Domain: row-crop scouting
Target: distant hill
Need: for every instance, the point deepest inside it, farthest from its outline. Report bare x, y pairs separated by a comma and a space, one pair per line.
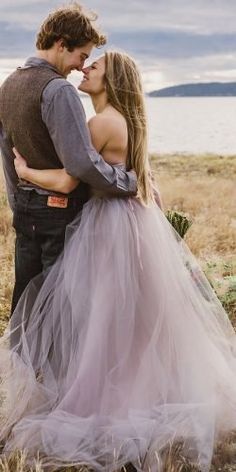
212, 89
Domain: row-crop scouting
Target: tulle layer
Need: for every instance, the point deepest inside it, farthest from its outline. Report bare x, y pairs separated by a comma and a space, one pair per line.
121, 348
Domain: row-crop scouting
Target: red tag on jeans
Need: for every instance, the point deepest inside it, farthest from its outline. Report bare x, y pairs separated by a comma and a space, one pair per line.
57, 202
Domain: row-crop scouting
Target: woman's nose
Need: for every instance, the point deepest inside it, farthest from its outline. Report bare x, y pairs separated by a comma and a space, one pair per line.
85, 70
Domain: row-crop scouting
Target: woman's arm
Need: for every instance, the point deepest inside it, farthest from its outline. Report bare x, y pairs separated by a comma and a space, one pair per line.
99, 131
50, 179
158, 199
156, 193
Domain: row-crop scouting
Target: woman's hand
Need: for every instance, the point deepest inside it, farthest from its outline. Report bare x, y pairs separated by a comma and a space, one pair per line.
56, 180
20, 164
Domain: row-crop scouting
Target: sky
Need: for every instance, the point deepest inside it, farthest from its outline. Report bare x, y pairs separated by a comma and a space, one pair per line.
173, 41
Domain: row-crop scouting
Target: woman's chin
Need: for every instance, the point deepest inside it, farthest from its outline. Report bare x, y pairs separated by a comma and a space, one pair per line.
83, 88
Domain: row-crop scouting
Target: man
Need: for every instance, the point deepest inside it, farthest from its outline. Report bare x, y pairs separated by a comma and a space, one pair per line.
42, 116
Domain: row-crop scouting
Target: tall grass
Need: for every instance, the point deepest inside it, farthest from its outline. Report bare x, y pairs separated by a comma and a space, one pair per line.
6, 255
203, 188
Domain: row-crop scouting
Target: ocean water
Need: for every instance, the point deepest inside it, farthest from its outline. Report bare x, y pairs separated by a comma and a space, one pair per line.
176, 125
189, 125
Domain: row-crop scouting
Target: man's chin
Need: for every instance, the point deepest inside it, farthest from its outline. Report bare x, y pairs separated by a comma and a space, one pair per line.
67, 72
74, 69
64, 73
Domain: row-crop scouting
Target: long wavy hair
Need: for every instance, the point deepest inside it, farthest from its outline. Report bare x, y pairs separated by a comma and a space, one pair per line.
125, 93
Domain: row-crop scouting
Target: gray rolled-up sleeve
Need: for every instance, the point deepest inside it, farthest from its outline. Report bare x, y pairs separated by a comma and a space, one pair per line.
8, 167
64, 117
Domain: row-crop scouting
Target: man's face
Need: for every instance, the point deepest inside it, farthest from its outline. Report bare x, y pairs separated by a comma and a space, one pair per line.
68, 61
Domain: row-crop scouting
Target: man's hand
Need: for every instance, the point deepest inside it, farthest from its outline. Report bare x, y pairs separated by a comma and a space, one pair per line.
20, 164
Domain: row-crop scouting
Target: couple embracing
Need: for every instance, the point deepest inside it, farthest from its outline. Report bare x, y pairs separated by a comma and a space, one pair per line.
114, 349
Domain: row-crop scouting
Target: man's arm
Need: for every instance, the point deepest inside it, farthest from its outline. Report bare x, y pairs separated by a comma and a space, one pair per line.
63, 114
8, 167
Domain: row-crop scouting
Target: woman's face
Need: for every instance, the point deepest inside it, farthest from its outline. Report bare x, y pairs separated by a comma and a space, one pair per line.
93, 80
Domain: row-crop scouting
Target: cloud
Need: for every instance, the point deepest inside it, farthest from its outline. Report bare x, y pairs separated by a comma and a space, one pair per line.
165, 72
198, 16
172, 44
15, 42
28, 14
174, 41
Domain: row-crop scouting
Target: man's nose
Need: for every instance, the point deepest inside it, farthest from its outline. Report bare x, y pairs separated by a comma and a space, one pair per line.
80, 66
85, 70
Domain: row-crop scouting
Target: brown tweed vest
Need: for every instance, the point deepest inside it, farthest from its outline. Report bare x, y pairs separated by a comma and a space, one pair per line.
20, 114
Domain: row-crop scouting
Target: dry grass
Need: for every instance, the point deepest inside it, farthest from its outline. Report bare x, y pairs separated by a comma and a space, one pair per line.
171, 459
203, 188
6, 256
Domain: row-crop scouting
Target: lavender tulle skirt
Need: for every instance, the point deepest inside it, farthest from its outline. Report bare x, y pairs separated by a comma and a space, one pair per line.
121, 349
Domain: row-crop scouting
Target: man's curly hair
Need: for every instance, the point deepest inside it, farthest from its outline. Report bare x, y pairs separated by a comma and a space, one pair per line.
72, 24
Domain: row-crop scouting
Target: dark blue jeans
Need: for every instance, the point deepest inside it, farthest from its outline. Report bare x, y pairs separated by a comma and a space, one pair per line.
40, 233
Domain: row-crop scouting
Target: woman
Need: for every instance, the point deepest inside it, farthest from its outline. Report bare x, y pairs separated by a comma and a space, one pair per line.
124, 347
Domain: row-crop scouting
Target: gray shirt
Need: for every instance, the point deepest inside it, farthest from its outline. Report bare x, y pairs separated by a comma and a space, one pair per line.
64, 117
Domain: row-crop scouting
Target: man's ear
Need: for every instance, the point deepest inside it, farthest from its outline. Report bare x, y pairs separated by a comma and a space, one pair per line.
60, 44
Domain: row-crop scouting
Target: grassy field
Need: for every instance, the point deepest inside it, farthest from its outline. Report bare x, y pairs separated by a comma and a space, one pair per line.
203, 188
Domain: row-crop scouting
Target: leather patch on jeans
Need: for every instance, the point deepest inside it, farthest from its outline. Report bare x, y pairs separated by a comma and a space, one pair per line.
57, 202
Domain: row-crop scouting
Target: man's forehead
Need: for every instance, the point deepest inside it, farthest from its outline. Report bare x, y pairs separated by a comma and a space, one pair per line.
87, 47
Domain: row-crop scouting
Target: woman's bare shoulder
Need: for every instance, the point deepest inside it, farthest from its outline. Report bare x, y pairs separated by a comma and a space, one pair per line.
108, 123
109, 117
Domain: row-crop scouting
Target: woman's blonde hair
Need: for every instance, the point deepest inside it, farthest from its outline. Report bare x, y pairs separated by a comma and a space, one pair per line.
125, 94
